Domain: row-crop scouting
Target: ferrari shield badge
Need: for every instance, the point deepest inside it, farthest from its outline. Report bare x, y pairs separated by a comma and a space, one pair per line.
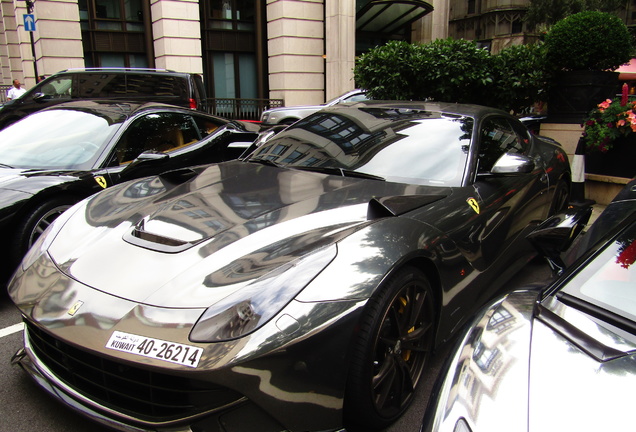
472, 202
101, 181
73, 310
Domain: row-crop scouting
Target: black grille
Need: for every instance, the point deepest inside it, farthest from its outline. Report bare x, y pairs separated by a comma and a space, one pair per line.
142, 393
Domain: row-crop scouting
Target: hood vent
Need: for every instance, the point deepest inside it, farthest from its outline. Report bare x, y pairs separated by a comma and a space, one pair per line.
147, 240
398, 205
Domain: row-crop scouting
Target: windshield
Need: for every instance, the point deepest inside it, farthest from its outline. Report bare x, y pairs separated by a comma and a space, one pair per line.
609, 281
56, 139
418, 147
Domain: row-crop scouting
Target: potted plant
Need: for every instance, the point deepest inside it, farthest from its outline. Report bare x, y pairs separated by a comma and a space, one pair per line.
583, 50
610, 138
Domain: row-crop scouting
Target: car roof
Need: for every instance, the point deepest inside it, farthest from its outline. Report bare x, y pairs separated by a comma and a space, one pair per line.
468, 110
122, 107
131, 71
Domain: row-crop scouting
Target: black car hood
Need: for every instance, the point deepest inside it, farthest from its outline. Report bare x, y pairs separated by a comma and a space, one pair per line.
34, 180
260, 217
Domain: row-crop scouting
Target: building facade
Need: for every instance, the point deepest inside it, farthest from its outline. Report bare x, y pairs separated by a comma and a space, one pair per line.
301, 51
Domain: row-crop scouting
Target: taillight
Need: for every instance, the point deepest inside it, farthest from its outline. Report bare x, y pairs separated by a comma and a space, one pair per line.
193, 103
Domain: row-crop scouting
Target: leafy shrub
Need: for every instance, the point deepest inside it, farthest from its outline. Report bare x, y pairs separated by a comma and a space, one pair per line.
388, 72
520, 78
443, 70
590, 40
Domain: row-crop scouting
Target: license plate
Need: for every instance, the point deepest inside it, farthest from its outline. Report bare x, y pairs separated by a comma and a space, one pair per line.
172, 352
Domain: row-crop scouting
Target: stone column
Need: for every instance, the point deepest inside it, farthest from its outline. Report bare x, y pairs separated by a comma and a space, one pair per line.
295, 32
176, 32
58, 37
340, 35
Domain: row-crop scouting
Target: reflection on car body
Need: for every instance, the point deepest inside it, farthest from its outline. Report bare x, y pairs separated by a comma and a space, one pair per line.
60, 155
288, 115
565, 348
314, 276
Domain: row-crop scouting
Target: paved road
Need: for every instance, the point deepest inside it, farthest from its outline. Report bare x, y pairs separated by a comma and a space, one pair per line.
24, 407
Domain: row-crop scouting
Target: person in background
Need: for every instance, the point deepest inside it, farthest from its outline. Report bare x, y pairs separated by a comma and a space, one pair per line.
16, 91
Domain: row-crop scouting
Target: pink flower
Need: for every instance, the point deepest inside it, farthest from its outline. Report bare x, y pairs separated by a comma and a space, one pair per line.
605, 104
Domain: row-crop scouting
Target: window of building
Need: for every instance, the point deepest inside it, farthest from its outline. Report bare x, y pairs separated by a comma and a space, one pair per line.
233, 41
114, 33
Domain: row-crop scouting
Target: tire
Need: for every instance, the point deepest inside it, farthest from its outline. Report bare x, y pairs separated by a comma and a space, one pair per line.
34, 222
394, 343
561, 197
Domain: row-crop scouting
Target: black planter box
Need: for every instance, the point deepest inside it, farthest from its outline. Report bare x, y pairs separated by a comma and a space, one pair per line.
576, 93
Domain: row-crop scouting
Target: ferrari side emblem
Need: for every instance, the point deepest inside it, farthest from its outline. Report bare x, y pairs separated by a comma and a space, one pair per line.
73, 310
472, 202
101, 181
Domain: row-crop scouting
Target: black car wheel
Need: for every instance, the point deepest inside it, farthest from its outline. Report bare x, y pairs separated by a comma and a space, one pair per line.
33, 224
561, 197
395, 340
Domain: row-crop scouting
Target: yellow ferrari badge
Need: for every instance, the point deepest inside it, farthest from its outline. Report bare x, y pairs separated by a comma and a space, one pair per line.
73, 310
472, 202
101, 181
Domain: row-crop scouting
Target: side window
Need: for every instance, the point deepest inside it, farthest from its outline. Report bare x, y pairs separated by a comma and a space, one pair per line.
357, 98
58, 88
497, 138
101, 85
207, 125
159, 132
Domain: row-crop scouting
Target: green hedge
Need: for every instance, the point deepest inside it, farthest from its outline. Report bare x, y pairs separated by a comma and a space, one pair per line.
454, 71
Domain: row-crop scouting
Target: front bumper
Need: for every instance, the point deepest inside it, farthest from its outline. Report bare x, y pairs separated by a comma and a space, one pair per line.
240, 416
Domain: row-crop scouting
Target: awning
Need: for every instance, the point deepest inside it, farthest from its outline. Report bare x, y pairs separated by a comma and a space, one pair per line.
627, 72
387, 16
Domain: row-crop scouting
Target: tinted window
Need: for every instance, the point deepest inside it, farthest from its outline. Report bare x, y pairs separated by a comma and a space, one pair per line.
57, 88
497, 137
417, 147
160, 132
108, 85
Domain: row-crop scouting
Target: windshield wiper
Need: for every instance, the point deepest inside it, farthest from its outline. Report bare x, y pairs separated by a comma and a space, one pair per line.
5, 166
267, 162
339, 171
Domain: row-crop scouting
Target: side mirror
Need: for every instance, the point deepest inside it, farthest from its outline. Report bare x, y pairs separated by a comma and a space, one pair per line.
512, 163
40, 97
557, 233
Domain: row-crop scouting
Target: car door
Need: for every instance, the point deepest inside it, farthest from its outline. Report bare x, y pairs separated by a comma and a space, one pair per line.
510, 202
170, 139
497, 208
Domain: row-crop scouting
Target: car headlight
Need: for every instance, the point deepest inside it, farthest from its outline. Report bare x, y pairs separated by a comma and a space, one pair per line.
42, 244
252, 306
264, 117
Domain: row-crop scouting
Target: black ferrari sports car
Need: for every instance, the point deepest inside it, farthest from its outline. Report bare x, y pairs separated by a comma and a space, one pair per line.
300, 288
58, 156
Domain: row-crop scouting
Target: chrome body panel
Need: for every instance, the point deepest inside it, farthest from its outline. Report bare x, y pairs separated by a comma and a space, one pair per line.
152, 257
570, 356
589, 394
488, 371
275, 116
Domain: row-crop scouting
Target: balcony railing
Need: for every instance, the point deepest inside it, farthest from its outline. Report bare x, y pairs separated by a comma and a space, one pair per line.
241, 109
3, 93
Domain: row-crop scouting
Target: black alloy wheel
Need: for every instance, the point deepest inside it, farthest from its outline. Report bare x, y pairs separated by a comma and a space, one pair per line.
33, 224
395, 341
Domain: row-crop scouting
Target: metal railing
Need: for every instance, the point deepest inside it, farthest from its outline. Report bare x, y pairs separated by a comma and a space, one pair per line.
241, 109
3, 92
